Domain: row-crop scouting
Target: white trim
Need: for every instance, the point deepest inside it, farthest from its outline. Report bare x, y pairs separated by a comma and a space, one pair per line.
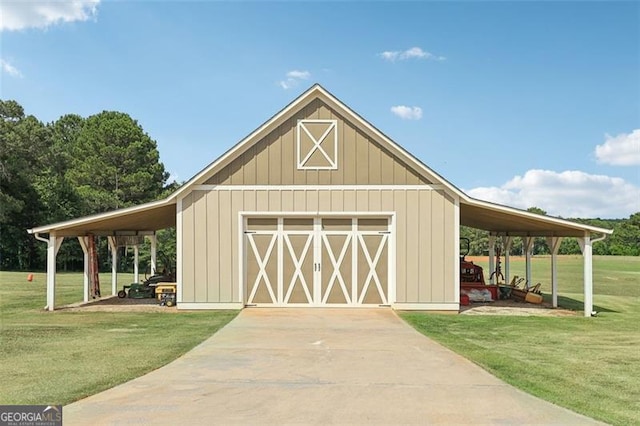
425, 187
391, 299
456, 249
345, 214
332, 128
212, 306
307, 305
455, 307
242, 253
51, 272
588, 275
179, 256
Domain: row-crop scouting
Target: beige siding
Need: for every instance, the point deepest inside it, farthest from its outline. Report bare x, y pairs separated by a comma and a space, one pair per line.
188, 232
273, 160
425, 255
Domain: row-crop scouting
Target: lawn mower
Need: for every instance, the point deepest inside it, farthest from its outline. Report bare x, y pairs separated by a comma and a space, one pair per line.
147, 288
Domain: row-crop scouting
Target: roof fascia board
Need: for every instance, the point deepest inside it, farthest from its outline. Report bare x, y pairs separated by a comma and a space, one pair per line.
386, 141
247, 142
100, 216
316, 91
537, 217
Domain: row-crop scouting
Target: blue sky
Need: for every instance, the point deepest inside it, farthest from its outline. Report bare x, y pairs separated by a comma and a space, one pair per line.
520, 103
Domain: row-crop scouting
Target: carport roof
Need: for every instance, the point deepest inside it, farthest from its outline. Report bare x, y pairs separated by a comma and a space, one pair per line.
138, 220
502, 220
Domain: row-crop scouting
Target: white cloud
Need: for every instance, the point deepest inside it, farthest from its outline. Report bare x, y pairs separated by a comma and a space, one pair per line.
406, 112
19, 15
293, 78
621, 150
10, 69
567, 194
411, 53
301, 75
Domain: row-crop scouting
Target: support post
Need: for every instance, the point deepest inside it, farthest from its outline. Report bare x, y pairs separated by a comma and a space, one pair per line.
114, 265
506, 242
51, 272
154, 246
136, 261
528, 246
585, 246
554, 245
492, 255
53, 245
85, 276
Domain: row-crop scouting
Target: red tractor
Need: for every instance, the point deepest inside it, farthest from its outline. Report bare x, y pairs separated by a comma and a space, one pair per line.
469, 272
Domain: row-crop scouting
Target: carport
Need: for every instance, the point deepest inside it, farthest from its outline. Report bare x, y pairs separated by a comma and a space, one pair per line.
140, 221
501, 222
505, 223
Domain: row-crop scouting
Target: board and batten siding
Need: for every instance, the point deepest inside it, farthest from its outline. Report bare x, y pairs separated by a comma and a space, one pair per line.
425, 229
272, 160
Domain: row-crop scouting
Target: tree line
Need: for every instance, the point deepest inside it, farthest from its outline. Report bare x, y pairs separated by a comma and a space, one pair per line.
77, 166
69, 168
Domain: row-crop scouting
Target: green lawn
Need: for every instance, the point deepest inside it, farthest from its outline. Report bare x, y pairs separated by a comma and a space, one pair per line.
62, 356
589, 365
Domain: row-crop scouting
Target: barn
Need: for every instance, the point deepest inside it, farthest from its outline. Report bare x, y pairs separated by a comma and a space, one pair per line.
316, 208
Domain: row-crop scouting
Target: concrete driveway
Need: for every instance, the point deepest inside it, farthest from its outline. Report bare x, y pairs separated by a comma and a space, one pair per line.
317, 366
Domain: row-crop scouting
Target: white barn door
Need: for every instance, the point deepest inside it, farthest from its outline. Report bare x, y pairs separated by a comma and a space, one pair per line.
317, 261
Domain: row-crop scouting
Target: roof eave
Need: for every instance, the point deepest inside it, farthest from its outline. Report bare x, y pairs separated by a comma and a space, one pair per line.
100, 216
537, 217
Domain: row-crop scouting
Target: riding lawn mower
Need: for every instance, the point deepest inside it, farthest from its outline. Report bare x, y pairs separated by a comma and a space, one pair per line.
152, 287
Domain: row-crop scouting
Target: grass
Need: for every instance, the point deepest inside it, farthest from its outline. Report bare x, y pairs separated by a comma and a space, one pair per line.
62, 356
589, 365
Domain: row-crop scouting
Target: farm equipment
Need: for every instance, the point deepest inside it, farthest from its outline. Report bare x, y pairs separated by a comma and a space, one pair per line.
147, 288
166, 294
472, 280
469, 272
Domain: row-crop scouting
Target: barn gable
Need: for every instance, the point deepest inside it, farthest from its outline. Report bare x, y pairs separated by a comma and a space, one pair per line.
317, 145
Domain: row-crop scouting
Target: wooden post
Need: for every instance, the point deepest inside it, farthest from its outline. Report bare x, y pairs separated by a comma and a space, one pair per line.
528, 247
114, 265
554, 245
84, 243
94, 271
136, 261
492, 254
506, 242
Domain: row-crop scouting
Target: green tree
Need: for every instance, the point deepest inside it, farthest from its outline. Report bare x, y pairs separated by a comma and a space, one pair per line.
625, 240
115, 164
22, 151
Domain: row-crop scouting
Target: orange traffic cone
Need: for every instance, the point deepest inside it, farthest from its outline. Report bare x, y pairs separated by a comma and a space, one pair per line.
30, 277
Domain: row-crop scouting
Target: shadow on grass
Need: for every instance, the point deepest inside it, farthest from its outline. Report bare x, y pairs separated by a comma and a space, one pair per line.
577, 305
